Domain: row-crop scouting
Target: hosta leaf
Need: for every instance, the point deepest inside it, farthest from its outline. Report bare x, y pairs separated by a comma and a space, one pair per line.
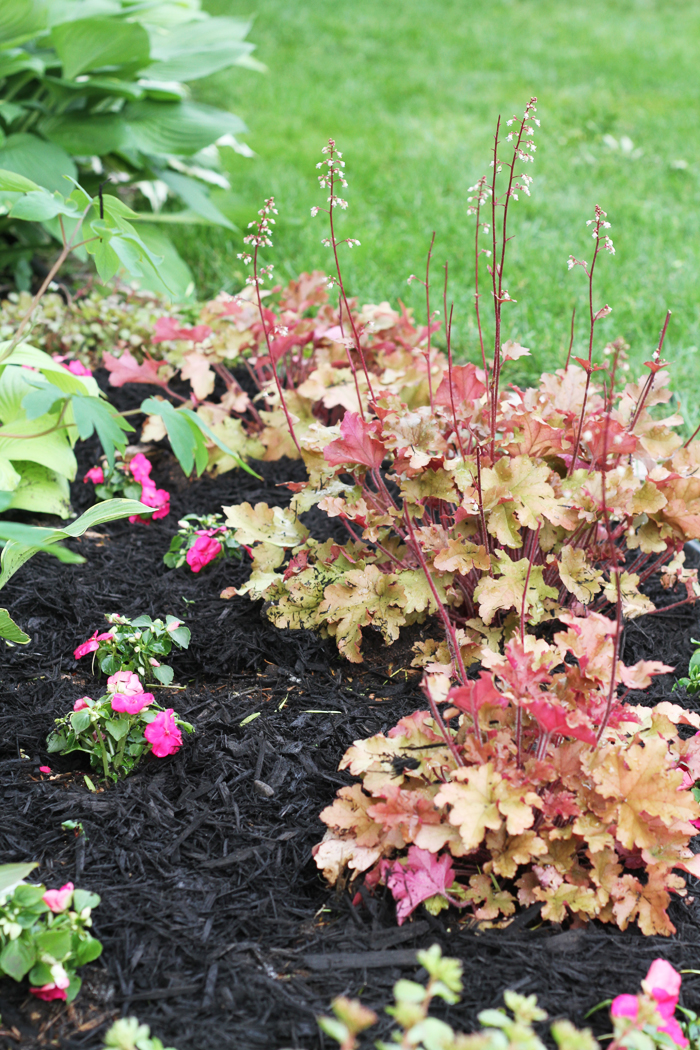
88, 134
52, 450
178, 127
44, 163
96, 43
41, 490
16, 553
195, 197
20, 20
12, 633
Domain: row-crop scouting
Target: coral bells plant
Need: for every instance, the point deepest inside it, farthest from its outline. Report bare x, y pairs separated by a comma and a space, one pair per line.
45, 934
131, 479
536, 785
117, 730
201, 540
136, 646
490, 505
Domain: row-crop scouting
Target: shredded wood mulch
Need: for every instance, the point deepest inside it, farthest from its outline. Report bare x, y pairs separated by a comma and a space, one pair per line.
218, 930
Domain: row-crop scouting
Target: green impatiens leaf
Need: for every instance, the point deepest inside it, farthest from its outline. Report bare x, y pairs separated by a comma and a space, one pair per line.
17, 958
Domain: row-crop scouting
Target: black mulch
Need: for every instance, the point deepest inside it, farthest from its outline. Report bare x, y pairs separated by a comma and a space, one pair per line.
217, 928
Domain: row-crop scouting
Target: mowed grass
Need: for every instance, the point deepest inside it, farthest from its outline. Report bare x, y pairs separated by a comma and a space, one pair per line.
411, 90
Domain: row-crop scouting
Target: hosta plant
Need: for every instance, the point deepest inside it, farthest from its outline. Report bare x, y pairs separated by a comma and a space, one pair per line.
45, 934
136, 646
119, 728
99, 91
640, 1022
490, 505
538, 784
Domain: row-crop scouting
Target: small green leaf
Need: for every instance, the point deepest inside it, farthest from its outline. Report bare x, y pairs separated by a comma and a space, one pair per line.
80, 720
250, 718
54, 942
17, 958
117, 727
85, 899
164, 674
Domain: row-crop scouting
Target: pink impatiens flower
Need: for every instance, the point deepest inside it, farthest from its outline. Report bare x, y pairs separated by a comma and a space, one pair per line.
203, 550
159, 498
81, 703
125, 682
663, 984
58, 900
44, 769
95, 475
92, 644
625, 1006
76, 367
140, 468
131, 705
49, 992
163, 734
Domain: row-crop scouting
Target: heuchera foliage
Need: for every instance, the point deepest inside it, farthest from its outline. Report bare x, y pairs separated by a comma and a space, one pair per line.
498, 509
536, 785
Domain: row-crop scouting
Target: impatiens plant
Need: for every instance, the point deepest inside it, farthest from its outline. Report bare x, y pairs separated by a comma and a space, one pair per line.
136, 645
132, 479
119, 728
642, 1023
538, 784
44, 934
200, 540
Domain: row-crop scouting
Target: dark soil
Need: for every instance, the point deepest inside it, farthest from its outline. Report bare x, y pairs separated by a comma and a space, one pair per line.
218, 931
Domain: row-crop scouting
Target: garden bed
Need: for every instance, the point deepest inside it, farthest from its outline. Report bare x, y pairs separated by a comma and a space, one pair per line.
218, 930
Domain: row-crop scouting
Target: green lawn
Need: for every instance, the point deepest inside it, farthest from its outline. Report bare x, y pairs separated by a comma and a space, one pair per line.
411, 90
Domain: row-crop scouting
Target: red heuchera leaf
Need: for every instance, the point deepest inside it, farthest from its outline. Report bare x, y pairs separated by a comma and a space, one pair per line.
472, 696
423, 876
168, 328
553, 720
126, 369
357, 444
467, 387
297, 564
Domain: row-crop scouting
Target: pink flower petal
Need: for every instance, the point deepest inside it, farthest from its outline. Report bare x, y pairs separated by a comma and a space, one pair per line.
131, 705
58, 900
48, 992
625, 1006
163, 734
